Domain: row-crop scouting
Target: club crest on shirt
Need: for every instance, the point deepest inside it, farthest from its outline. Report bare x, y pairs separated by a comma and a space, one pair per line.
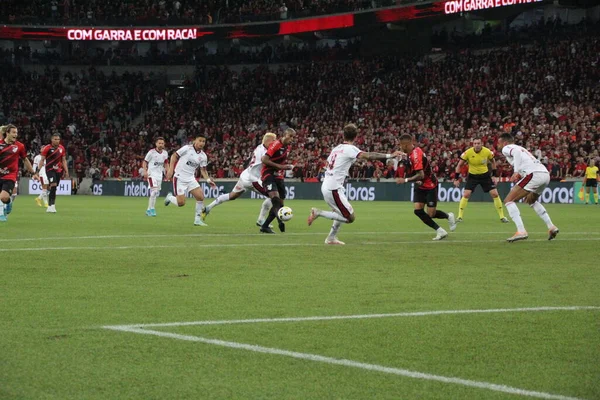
15, 149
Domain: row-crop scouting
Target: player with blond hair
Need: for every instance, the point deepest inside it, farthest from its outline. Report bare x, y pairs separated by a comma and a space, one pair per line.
249, 180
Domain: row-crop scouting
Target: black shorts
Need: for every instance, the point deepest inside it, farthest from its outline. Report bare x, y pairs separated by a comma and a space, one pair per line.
485, 180
591, 183
53, 177
7, 186
271, 184
426, 196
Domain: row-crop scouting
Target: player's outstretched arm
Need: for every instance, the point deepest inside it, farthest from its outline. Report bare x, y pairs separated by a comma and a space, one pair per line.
379, 156
266, 160
204, 173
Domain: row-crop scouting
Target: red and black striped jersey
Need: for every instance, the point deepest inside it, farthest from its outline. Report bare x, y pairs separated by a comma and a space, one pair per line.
9, 159
54, 157
278, 153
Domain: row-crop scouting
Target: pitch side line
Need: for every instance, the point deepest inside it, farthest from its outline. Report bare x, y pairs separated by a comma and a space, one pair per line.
353, 364
358, 316
192, 235
320, 244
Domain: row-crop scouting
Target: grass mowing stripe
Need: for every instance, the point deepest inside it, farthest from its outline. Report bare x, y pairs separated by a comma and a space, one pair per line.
351, 363
358, 316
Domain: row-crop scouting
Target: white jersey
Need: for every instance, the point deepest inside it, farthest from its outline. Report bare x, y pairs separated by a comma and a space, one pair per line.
254, 168
156, 162
523, 162
36, 162
189, 161
338, 165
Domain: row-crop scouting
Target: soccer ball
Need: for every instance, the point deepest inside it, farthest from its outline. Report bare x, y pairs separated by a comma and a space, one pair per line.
285, 213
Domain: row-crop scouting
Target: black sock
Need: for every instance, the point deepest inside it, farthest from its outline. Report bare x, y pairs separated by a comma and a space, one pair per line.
52, 196
423, 216
440, 215
277, 204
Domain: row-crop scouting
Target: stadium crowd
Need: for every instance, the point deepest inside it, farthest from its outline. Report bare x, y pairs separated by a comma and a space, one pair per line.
171, 12
546, 93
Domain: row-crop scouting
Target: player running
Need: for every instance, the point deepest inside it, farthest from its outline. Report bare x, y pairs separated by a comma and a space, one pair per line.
42, 199
54, 158
11, 151
590, 180
531, 177
185, 162
340, 160
249, 180
272, 176
154, 168
425, 188
478, 158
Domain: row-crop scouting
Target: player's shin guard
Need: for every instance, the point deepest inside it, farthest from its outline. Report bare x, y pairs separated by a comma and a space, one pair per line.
515, 215
333, 215
264, 209
499, 208
52, 196
461, 206
540, 210
423, 216
440, 215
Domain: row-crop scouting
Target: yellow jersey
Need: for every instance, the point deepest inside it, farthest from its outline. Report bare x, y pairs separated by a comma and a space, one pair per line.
591, 172
478, 162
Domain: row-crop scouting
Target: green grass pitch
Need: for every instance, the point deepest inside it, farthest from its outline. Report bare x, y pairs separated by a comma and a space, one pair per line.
101, 262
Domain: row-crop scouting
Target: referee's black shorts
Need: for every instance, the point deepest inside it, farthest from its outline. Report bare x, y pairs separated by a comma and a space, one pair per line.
591, 183
485, 180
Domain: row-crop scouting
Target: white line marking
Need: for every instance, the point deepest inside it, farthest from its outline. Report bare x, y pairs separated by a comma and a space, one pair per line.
192, 235
358, 316
220, 245
353, 364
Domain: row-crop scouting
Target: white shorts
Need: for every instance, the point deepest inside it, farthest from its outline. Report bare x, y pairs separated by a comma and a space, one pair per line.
184, 186
336, 199
535, 182
154, 181
247, 183
43, 177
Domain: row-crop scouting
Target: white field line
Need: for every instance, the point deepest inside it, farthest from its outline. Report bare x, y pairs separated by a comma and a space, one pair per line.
221, 245
353, 364
358, 316
204, 235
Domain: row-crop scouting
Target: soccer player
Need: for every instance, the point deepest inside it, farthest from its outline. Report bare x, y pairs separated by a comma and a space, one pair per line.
425, 188
272, 174
249, 180
531, 177
590, 180
11, 151
182, 168
478, 159
54, 158
154, 167
43, 197
340, 160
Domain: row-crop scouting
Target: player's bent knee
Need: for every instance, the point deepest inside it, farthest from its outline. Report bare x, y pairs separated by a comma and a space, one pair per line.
420, 212
351, 218
5, 199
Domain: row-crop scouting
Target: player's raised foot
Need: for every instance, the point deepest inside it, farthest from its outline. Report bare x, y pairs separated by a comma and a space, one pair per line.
51, 209
167, 201
267, 230
334, 240
38, 201
3, 218
452, 222
459, 220
199, 222
552, 232
204, 213
441, 234
504, 220
148, 213
517, 236
314, 214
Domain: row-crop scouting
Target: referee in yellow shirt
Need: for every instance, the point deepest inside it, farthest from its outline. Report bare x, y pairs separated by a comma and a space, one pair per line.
590, 180
478, 158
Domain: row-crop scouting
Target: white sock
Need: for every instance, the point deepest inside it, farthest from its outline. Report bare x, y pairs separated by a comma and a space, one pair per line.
264, 210
2, 205
219, 200
542, 213
152, 201
515, 215
172, 198
334, 229
332, 215
199, 207
41, 195
45, 195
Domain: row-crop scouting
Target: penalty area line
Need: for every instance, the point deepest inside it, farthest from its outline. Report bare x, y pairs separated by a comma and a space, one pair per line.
350, 363
222, 245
